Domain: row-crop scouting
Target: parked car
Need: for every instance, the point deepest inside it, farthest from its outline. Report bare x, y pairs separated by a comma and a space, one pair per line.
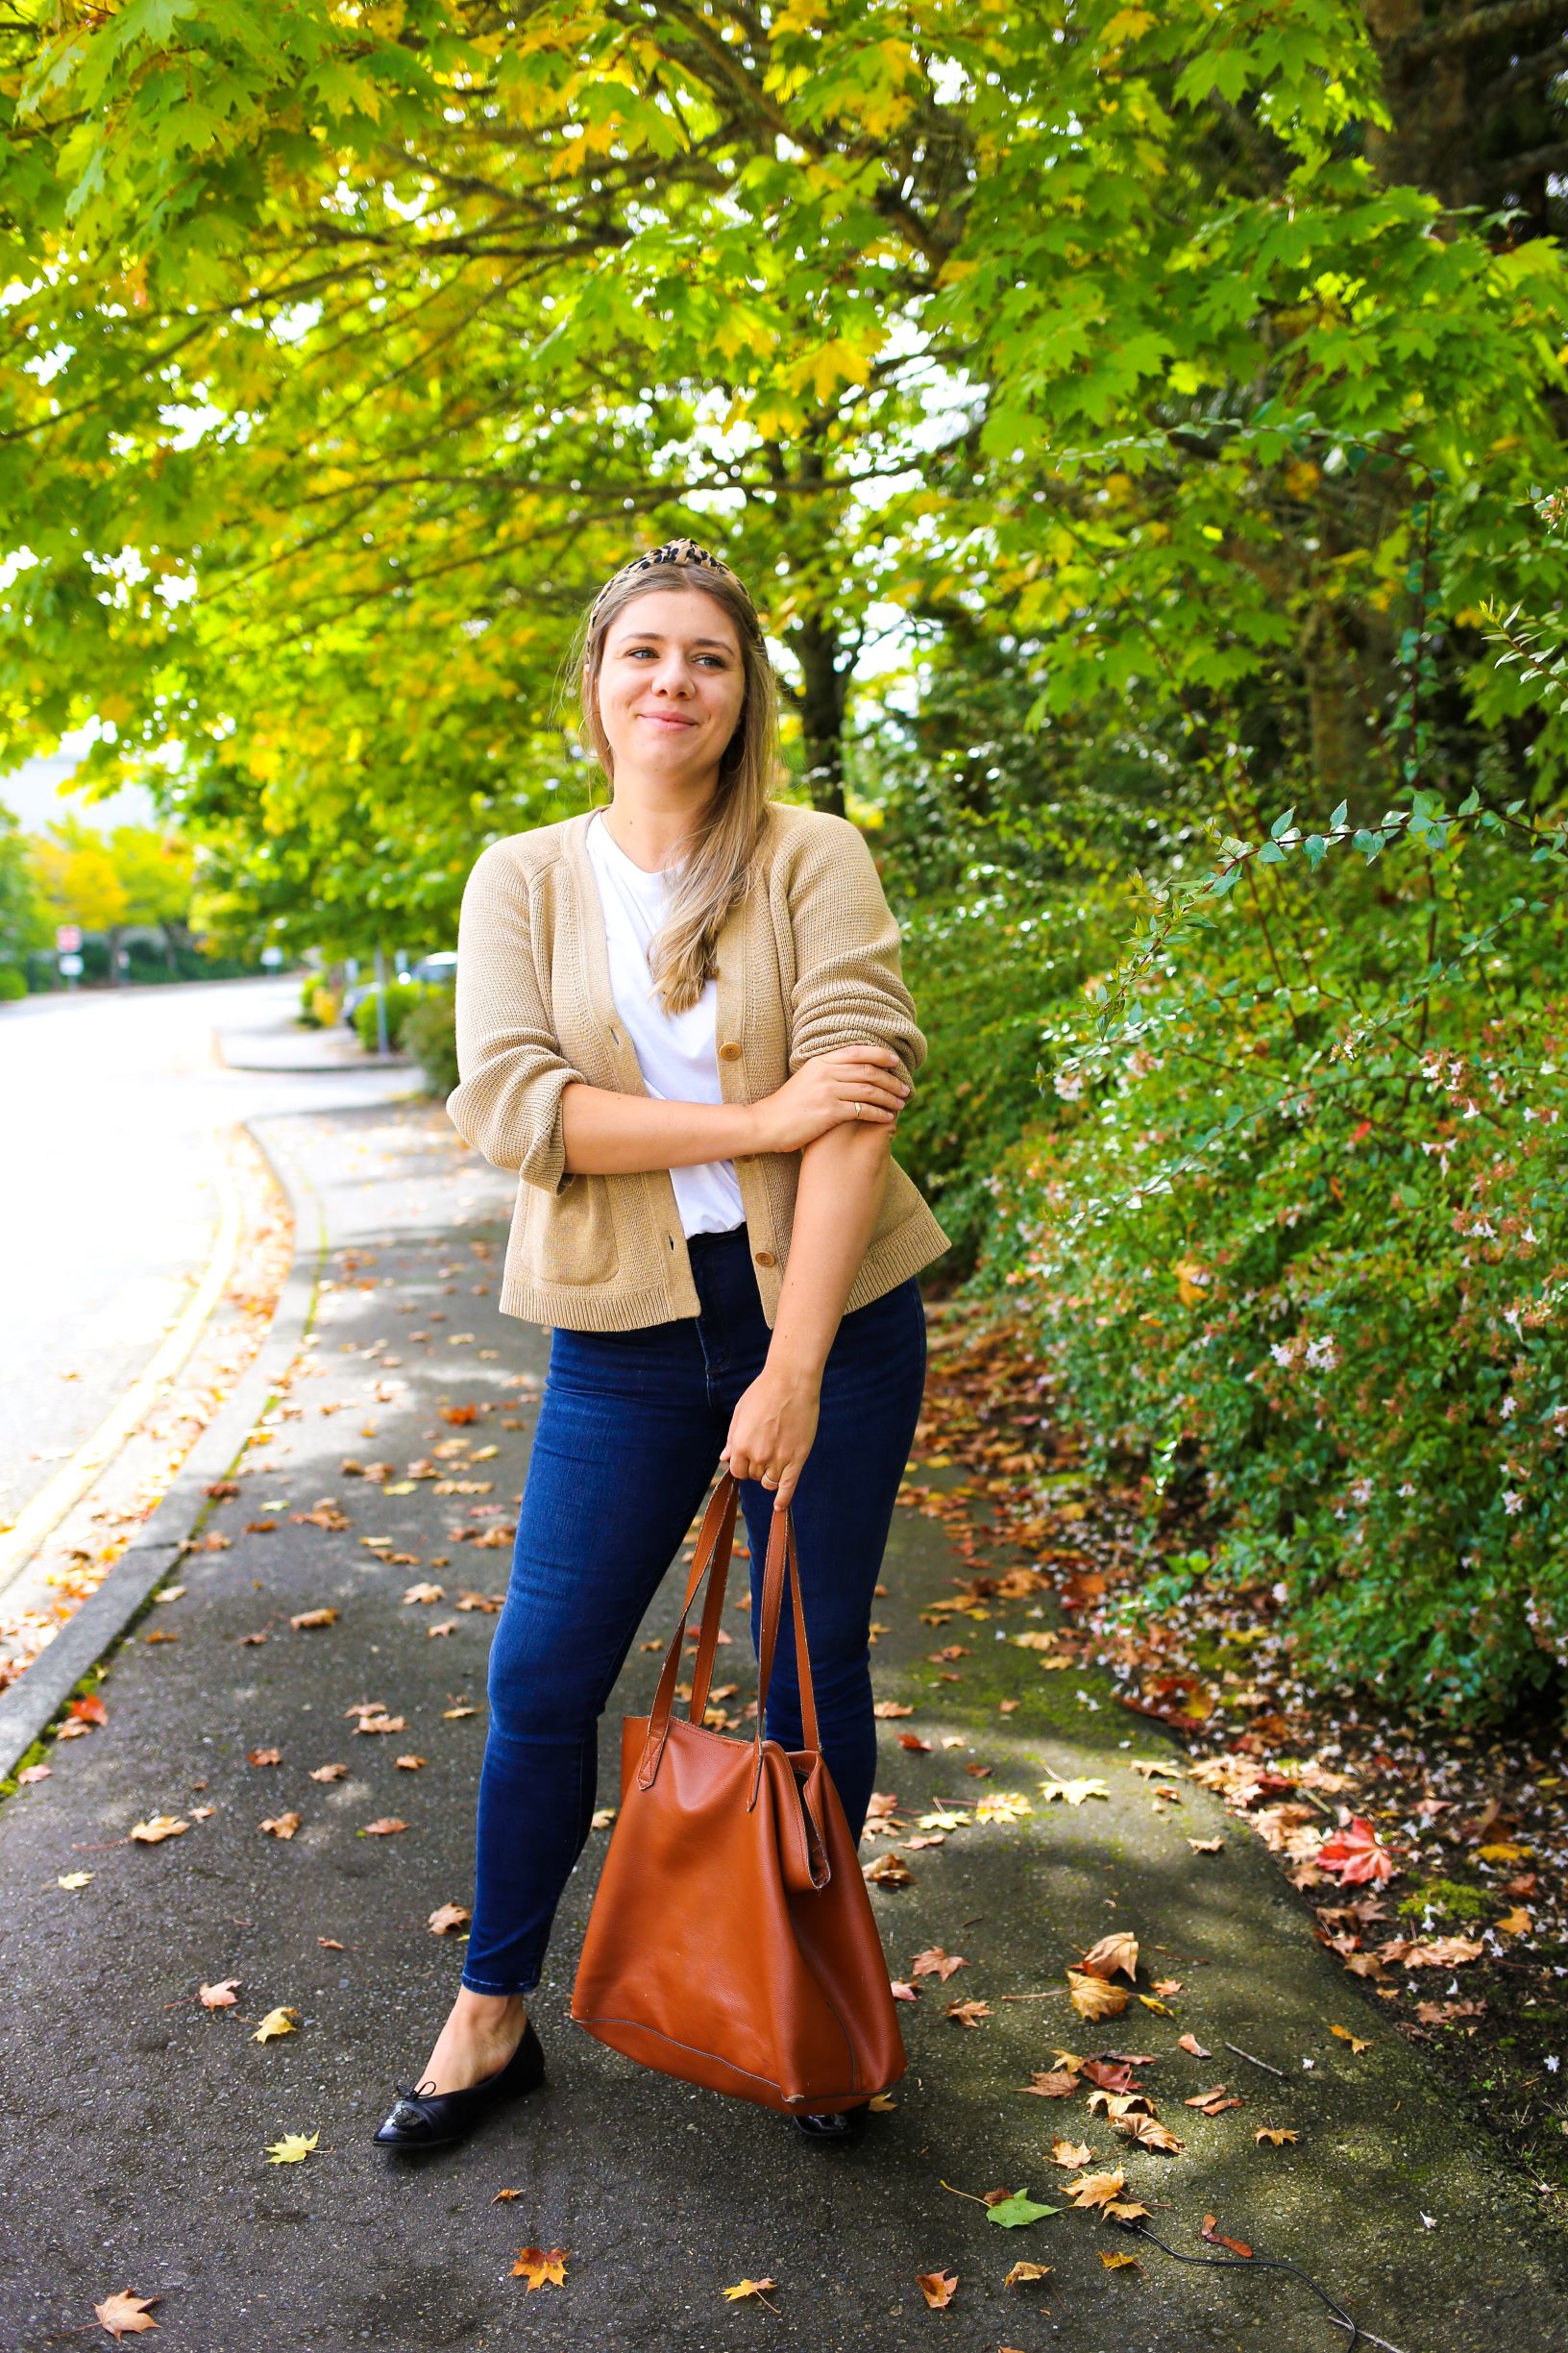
438, 969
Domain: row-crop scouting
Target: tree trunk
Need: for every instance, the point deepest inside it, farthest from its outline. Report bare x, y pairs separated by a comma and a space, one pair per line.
823, 700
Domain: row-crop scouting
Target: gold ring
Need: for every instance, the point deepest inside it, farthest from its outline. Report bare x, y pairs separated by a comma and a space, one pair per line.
856, 1107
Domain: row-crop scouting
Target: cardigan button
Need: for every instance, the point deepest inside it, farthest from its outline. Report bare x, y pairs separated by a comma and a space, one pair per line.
729, 1051
766, 1258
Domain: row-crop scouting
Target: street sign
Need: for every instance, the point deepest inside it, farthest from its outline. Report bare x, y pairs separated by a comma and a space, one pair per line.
70, 965
68, 935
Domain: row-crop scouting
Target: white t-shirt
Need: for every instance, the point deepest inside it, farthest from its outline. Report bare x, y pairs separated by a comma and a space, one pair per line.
674, 1052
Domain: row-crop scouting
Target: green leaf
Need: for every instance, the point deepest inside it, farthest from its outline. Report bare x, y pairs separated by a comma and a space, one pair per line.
1012, 2212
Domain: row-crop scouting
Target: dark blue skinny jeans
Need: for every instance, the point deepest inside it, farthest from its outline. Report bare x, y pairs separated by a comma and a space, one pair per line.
626, 1448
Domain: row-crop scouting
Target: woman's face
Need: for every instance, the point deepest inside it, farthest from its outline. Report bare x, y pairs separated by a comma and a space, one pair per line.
670, 685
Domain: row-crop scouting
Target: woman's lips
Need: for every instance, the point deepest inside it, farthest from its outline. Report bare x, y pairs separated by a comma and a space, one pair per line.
658, 718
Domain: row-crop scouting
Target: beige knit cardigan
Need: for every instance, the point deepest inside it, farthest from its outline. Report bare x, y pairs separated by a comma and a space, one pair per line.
806, 962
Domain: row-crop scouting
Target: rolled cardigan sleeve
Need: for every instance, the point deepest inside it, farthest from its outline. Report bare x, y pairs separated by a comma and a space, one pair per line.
512, 1073
849, 986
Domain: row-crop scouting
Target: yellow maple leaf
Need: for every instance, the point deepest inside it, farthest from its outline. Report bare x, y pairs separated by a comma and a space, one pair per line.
281, 2021
758, 2288
540, 2266
293, 2149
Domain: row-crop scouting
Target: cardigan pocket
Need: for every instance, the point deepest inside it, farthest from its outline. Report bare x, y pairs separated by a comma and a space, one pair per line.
567, 1237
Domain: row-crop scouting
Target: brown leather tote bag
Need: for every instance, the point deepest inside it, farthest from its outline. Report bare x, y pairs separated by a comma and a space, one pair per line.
731, 1941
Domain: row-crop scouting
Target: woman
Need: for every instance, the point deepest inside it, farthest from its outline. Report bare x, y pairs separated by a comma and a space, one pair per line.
681, 1020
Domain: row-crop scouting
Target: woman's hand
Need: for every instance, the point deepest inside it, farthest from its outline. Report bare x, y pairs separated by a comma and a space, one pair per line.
772, 1430
857, 1082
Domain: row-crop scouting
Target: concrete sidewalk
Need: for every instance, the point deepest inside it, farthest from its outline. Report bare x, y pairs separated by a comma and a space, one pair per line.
137, 2121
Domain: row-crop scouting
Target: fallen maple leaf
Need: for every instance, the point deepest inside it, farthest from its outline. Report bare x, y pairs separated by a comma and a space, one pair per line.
161, 1827
328, 1772
913, 1742
1093, 1998
384, 1724
309, 1618
124, 2314
935, 1963
220, 1997
1094, 2188
505, 2197
446, 1916
1072, 2155
1120, 2263
1073, 1793
1149, 2133
1057, 2084
1189, 2043
886, 1708
293, 2149
281, 1826
264, 1757
889, 1871
1274, 2134
385, 1828
1118, 1951
1207, 1846
280, 2021
1012, 2212
425, 1593
902, 1991
90, 1710
968, 2013
761, 2289
1356, 1854
35, 1773
883, 2103
409, 1764
939, 2288
540, 2266
1357, 2042
1021, 2272
1216, 2238
1437, 1953
73, 1879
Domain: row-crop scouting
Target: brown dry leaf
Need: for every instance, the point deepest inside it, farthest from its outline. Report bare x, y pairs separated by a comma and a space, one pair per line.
1073, 2155
1169, 1987
386, 1827
968, 2013
1443, 1952
446, 1916
503, 2196
220, 1997
1207, 1846
90, 1710
539, 2264
124, 2314
1120, 2263
1216, 2238
409, 1764
1095, 2189
1274, 2134
309, 1618
1093, 1999
332, 1944
883, 2103
280, 2021
1189, 2043
1124, 2210
1147, 2132
1214, 2103
1021, 2272
915, 1744
902, 1991
1117, 2104
1055, 2084
1357, 2042
281, 1826
424, 1592
264, 1757
161, 1827
35, 1773
939, 2288
889, 1871
381, 1724
935, 1963
887, 1708
328, 1772
1118, 1951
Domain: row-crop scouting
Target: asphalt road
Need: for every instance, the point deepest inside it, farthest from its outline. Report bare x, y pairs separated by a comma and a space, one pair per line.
108, 1193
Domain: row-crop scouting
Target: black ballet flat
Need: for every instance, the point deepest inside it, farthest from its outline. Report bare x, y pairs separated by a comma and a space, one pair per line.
422, 2120
833, 2128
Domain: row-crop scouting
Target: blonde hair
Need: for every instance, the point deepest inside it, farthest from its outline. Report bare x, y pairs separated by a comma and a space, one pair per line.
719, 864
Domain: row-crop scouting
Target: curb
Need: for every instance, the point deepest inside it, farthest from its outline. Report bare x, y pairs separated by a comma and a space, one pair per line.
33, 1702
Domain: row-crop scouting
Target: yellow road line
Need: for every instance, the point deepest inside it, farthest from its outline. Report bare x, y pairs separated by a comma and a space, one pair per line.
70, 1483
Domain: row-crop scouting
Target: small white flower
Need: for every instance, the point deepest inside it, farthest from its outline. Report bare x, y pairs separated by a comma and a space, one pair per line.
1512, 1503
1309, 2062
1553, 2063
1508, 1408
1428, 2221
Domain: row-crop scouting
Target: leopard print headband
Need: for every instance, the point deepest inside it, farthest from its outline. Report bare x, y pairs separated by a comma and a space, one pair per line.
673, 551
